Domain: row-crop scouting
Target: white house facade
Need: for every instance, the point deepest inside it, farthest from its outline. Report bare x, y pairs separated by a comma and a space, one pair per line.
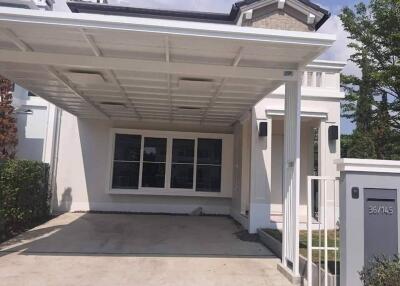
184, 112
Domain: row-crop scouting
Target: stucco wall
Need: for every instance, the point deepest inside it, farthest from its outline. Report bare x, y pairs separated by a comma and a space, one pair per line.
82, 175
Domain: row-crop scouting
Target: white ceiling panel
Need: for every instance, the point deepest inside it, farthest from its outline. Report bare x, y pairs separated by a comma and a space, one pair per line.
157, 69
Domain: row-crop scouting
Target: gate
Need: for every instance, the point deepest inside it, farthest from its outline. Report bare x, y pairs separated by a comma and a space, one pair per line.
322, 231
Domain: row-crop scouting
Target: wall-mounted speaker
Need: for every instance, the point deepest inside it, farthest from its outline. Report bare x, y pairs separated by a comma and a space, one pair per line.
263, 129
333, 132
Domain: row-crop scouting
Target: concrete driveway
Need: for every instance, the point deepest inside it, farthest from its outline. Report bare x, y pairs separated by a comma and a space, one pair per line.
125, 249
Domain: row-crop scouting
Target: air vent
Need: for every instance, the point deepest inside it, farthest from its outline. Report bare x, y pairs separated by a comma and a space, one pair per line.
189, 108
112, 104
195, 83
192, 110
85, 77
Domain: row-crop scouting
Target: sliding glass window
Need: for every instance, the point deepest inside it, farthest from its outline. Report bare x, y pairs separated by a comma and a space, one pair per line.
182, 163
141, 162
154, 161
209, 161
126, 163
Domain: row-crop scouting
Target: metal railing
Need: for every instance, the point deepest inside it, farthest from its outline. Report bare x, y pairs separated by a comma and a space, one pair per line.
322, 218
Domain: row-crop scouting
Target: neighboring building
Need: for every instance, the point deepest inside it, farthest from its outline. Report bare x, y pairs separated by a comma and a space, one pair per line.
172, 111
35, 118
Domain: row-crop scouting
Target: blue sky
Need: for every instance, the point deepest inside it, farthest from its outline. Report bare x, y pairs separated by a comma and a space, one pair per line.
338, 52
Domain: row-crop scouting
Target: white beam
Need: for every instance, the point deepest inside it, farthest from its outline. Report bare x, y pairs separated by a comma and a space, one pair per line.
238, 57
92, 44
291, 174
167, 50
106, 63
162, 27
15, 40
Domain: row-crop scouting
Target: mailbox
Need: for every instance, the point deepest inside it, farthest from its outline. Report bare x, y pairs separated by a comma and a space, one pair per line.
380, 223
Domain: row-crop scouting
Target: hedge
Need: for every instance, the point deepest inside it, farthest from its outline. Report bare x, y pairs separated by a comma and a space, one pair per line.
382, 271
24, 195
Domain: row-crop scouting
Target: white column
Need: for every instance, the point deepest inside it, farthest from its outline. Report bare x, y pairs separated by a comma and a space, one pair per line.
291, 176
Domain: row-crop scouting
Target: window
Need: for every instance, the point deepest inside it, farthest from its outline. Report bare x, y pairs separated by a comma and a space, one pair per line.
209, 158
142, 162
126, 161
154, 160
182, 163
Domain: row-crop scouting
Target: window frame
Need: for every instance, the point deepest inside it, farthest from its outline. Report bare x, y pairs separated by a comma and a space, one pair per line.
226, 162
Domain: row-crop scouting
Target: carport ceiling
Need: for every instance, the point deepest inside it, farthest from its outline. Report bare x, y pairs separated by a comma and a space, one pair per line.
97, 66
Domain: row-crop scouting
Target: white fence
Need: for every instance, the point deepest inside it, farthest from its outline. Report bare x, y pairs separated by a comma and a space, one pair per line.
322, 230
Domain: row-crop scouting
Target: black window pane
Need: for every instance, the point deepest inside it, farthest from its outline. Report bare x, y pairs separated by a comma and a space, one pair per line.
154, 149
209, 151
125, 175
182, 176
183, 151
208, 178
153, 175
127, 147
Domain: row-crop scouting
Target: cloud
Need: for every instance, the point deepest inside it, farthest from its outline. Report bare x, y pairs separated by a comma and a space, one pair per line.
339, 51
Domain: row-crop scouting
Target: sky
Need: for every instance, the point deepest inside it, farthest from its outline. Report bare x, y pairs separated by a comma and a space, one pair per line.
339, 51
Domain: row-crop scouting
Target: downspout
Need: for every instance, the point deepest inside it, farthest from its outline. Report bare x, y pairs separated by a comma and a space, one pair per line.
54, 156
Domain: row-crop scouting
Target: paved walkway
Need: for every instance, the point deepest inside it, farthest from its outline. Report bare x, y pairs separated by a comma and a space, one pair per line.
145, 250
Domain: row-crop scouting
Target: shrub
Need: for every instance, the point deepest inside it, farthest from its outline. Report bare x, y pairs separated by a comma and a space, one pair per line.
24, 195
382, 271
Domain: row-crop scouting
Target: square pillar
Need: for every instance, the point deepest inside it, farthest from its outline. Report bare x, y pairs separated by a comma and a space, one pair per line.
260, 172
291, 178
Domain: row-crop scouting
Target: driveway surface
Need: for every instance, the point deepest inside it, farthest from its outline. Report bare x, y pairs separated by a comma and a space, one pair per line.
145, 250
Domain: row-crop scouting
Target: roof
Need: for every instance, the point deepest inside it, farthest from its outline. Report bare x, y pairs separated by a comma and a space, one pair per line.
141, 69
222, 18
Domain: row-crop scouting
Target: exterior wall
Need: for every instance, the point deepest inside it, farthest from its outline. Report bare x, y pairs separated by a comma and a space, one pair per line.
270, 17
34, 121
83, 170
320, 108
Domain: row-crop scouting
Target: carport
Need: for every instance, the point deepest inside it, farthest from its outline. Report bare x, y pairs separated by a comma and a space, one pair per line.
149, 70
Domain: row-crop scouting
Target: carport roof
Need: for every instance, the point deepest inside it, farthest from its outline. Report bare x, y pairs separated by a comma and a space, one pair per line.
100, 66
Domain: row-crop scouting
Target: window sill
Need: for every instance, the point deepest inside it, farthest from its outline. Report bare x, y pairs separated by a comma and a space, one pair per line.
167, 192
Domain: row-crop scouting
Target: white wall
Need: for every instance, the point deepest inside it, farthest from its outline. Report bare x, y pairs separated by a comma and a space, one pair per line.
34, 120
82, 174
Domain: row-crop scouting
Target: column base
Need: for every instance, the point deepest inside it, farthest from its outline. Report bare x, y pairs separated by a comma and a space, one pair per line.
295, 280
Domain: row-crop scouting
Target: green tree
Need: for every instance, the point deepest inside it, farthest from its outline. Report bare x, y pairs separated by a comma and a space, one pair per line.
373, 101
8, 126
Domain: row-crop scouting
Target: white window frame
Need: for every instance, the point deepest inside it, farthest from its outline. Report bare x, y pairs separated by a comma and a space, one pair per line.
226, 164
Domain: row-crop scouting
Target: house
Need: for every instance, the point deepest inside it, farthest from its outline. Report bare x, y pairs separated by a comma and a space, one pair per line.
181, 112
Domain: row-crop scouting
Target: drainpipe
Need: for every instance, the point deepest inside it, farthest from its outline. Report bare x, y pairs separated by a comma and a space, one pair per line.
54, 155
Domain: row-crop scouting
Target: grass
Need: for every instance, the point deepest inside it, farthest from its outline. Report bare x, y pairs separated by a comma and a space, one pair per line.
277, 234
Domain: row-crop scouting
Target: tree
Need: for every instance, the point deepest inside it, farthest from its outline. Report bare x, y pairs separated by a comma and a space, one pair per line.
375, 34
373, 101
8, 127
